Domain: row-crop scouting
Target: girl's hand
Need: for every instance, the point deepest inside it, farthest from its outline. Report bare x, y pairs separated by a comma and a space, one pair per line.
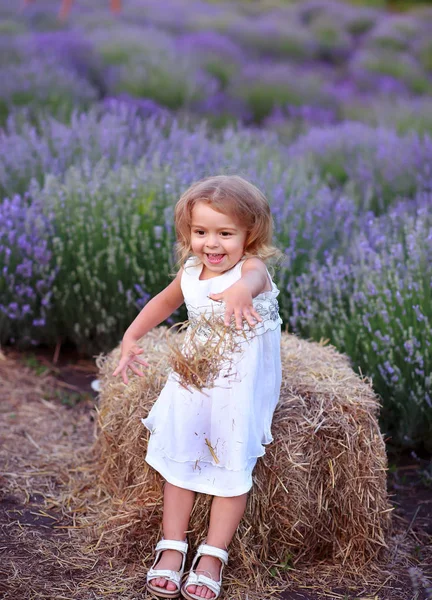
129, 356
238, 302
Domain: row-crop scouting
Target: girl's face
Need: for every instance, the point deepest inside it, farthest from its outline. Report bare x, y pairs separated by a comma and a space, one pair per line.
216, 239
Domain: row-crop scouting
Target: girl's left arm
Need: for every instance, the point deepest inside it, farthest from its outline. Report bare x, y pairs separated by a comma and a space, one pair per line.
238, 297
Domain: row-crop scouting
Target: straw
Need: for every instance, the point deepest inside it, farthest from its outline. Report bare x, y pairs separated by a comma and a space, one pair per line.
318, 516
207, 350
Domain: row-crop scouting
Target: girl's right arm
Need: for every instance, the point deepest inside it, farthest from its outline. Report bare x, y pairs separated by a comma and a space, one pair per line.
154, 312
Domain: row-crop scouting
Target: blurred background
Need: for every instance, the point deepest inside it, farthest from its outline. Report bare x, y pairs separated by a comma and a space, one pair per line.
109, 110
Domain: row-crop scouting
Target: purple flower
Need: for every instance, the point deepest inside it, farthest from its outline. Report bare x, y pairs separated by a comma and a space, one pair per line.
27, 276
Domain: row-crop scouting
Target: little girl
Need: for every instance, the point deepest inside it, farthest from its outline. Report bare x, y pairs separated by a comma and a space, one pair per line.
209, 442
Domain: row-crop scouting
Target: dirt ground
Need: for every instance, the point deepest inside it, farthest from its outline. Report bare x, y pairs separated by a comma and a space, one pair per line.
47, 422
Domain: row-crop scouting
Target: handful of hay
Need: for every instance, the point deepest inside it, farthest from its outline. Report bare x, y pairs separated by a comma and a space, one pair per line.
319, 497
208, 348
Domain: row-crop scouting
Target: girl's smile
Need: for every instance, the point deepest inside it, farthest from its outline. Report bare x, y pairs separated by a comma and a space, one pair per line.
216, 239
215, 259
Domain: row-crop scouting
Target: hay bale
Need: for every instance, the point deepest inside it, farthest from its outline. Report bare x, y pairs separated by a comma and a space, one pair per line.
319, 493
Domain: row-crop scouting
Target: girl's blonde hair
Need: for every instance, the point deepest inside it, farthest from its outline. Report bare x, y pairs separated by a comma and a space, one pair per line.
236, 197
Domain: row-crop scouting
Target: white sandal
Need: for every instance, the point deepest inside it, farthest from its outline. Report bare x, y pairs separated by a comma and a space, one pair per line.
173, 576
200, 579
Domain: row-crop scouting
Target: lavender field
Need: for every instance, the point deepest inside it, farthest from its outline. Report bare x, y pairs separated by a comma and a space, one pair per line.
326, 106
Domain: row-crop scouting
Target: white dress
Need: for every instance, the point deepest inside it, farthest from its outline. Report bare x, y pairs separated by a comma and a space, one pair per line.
234, 416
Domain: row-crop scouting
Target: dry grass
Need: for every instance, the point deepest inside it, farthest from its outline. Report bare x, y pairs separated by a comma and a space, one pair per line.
317, 518
206, 348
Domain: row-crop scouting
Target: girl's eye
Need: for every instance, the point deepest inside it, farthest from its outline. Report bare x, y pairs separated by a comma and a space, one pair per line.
199, 232
225, 233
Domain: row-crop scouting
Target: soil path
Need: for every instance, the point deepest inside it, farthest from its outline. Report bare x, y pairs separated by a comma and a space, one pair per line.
47, 426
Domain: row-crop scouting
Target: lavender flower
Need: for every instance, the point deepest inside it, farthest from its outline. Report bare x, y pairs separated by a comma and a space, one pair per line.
398, 65
44, 86
27, 274
267, 85
395, 32
373, 302
365, 157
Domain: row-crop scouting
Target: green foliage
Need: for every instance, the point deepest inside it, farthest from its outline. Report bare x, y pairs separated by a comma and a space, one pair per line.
285, 566
31, 361
167, 87
261, 98
67, 398
399, 66
289, 45
263, 94
404, 117
106, 249
360, 24
145, 64
43, 87
340, 161
332, 41
11, 27
221, 70
425, 54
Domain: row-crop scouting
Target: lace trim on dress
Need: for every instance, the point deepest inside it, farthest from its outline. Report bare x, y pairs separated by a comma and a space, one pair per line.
265, 304
268, 310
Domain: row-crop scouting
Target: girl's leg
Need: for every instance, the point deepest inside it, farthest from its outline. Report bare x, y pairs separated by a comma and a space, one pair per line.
178, 504
225, 516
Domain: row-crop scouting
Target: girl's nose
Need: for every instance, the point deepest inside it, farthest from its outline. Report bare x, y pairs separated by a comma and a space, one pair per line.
212, 242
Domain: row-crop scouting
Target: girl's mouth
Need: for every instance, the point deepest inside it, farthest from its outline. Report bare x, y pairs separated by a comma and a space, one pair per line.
215, 259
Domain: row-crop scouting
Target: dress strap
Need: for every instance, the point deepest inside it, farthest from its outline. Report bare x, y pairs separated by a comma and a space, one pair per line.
238, 266
192, 268
190, 262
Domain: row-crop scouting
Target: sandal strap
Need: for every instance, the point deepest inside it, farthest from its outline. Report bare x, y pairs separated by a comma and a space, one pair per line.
205, 549
172, 545
200, 579
173, 576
